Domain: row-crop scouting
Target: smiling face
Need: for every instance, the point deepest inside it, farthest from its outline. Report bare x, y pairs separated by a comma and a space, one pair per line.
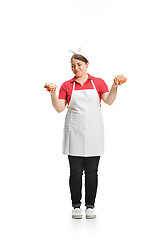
79, 68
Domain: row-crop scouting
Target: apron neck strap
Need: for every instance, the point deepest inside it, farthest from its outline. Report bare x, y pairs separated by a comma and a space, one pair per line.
93, 84
73, 85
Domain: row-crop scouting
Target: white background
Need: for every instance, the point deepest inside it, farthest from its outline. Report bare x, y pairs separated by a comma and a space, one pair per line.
119, 37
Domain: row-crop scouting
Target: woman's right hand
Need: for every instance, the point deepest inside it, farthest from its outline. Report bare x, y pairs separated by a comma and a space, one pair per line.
50, 87
58, 104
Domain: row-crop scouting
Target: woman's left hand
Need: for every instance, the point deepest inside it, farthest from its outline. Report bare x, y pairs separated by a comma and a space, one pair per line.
119, 79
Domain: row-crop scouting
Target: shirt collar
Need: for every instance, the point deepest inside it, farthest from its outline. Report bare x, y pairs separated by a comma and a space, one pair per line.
74, 79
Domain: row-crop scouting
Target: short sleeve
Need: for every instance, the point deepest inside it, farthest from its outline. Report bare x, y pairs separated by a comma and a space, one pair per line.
62, 92
103, 87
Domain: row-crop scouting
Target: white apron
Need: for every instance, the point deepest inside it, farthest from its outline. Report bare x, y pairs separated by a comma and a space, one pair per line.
83, 133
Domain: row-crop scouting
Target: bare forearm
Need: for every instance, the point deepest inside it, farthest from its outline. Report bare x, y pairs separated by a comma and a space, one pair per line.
57, 103
112, 94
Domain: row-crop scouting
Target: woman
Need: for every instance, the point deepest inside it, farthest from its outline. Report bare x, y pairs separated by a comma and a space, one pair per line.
83, 139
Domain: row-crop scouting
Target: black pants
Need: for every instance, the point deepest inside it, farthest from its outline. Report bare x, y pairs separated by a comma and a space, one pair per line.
90, 166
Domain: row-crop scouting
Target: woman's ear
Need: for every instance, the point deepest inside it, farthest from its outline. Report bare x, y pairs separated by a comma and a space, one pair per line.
87, 64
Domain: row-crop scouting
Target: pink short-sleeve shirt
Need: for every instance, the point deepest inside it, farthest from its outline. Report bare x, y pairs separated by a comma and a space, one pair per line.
66, 88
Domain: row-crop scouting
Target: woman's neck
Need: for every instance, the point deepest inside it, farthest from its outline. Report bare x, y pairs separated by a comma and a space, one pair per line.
82, 79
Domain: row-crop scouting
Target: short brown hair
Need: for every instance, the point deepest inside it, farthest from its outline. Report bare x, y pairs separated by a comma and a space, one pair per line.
79, 57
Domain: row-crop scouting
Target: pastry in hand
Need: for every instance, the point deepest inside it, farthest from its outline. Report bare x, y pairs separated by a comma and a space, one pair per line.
119, 79
50, 86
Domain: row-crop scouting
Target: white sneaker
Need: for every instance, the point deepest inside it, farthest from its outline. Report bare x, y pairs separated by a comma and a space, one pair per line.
77, 213
90, 213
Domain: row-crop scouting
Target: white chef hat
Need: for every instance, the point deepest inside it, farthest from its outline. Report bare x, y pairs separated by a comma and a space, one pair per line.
79, 51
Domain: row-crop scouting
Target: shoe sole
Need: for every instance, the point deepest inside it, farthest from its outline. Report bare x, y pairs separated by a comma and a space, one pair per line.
91, 217
77, 217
